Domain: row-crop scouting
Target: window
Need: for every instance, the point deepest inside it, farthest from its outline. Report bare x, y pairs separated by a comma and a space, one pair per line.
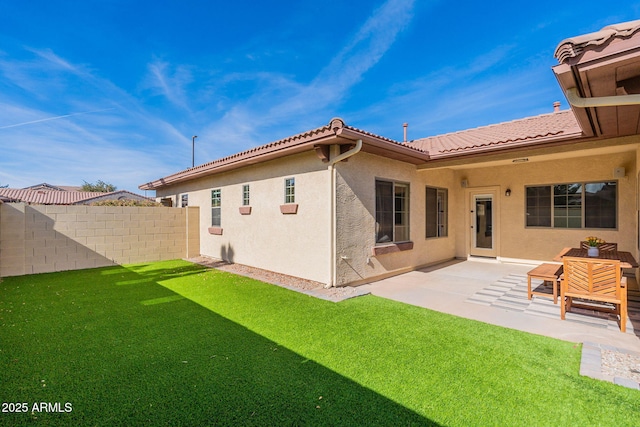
245, 195
290, 190
575, 205
436, 212
600, 200
216, 202
567, 206
184, 200
392, 212
538, 206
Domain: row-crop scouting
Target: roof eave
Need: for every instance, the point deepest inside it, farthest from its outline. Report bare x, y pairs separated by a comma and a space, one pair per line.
246, 158
601, 65
387, 148
513, 147
336, 133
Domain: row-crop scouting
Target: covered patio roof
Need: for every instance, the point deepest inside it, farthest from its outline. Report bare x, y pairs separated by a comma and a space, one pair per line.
598, 65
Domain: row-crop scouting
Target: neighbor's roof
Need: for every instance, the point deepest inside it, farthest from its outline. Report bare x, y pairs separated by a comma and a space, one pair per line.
46, 186
575, 46
58, 197
545, 128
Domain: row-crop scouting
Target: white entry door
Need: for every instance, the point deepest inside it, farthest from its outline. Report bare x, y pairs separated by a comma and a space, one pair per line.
483, 225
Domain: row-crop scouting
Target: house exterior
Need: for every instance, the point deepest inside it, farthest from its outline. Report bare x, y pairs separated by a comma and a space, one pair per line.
342, 206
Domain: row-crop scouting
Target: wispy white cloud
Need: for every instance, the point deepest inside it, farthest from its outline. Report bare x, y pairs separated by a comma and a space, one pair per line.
53, 118
283, 99
63, 120
168, 82
372, 40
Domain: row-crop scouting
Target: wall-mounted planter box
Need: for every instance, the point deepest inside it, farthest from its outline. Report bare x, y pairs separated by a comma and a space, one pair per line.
289, 208
391, 248
245, 210
215, 230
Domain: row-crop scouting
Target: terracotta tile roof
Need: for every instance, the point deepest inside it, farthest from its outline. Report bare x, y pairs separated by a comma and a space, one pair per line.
544, 128
575, 46
58, 197
290, 145
557, 126
46, 186
115, 195
247, 156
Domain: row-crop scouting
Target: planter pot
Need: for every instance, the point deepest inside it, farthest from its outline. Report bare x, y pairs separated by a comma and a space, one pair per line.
593, 251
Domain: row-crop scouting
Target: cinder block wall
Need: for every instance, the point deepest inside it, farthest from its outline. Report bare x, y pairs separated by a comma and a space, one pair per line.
40, 239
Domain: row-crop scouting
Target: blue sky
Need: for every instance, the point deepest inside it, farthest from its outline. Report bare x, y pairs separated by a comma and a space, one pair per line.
114, 90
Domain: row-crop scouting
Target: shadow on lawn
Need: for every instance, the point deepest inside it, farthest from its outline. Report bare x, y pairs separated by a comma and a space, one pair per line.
119, 361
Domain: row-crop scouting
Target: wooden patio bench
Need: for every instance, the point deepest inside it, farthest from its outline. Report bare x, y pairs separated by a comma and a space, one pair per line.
597, 280
547, 273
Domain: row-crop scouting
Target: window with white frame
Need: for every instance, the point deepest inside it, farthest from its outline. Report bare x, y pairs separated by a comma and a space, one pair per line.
290, 190
392, 212
246, 200
436, 212
573, 205
216, 207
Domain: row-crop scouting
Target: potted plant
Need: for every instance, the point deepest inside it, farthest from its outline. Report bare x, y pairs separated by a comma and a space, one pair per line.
594, 243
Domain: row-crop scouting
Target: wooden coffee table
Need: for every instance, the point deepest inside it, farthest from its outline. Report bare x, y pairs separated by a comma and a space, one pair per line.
548, 273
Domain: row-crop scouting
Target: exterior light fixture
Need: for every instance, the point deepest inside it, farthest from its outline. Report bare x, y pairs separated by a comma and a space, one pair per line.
507, 192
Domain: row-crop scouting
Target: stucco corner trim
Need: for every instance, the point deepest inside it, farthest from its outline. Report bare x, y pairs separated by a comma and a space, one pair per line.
215, 231
289, 208
391, 248
245, 210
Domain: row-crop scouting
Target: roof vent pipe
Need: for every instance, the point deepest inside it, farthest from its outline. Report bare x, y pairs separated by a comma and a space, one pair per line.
405, 125
556, 106
603, 101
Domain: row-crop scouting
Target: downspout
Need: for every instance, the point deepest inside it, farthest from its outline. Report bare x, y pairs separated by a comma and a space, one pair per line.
603, 101
333, 233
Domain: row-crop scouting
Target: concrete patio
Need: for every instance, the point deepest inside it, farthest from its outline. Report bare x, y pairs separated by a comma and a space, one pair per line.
478, 289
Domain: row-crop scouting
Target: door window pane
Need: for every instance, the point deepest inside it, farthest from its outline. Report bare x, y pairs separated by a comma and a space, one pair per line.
484, 223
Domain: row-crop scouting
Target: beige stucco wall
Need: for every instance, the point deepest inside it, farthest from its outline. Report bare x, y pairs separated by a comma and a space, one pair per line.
356, 210
300, 245
293, 244
355, 213
520, 242
39, 239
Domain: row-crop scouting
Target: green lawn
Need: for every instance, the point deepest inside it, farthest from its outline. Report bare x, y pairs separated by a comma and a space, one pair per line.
170, 343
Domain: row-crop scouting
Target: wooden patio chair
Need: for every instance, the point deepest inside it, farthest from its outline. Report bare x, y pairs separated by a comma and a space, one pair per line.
596, 280
602, 246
